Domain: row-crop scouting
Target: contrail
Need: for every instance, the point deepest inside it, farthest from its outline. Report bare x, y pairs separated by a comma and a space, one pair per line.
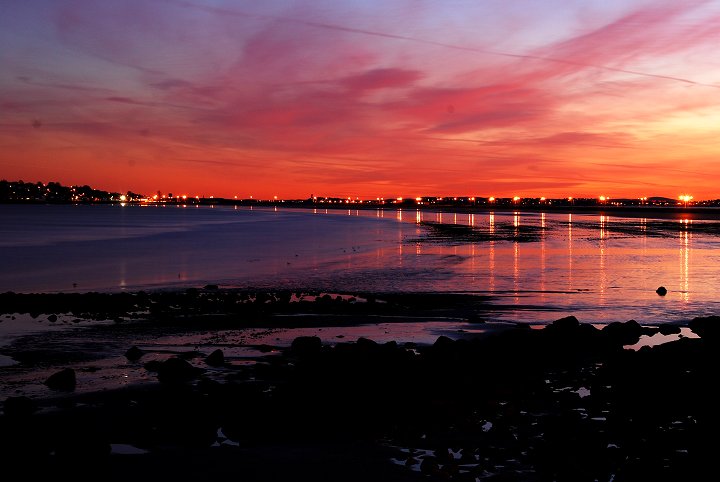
340, 28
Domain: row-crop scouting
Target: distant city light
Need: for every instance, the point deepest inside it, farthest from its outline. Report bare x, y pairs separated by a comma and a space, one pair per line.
491, 199
686, 198
123, 197
516, 199
603, 198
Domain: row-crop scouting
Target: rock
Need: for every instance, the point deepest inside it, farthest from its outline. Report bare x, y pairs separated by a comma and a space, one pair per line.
707, 328
134, 353
177, 370
306, 345
216, 358
62, 380
563, 324
52, 318
627, 333
669, 329
19, 407
662, 291
429, 466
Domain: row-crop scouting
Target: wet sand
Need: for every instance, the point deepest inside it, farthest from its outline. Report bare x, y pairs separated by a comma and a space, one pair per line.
300, 391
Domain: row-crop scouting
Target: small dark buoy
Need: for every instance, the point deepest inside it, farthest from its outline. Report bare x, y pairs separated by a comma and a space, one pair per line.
662, 291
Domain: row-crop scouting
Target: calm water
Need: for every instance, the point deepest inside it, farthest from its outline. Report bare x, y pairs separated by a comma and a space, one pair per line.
598, 268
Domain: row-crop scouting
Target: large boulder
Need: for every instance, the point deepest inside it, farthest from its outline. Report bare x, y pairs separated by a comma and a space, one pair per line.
177, 370
707, 328
63, 380
306, 346
216, 358
627, 333
134, 353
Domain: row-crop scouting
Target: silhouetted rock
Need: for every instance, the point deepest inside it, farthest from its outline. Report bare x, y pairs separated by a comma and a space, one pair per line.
19, 406
627, 333
216, 358
62, 380
564, 324
134, 353
707, 328
662, 291
177, 370
211, 287
52, 318
306, 345
429, 466
669, 329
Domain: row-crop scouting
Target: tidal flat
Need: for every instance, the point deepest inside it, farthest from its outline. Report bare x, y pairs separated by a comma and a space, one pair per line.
269, 385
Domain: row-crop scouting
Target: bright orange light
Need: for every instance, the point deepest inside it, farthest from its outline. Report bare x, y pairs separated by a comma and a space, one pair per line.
418, 199
491, 199
542, 198
123, 197
516, 198
686, 198
399, 199
603, 198
570, 198
184, 196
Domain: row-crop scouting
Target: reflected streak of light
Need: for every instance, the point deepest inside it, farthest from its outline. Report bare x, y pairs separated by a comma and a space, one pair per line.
516, 219
491, 267
417, 249
492, 223
314, 210
455, 219
603, 274
542, 220
516, 272
418, 217
603, 225
543, 255
472, 261
472, 220
399, 215
570, 253
685, 264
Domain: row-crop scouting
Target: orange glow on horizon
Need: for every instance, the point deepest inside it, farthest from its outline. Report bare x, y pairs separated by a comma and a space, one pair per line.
340, 106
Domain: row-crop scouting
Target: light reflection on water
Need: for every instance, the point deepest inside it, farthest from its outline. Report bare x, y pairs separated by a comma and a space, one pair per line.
599, 268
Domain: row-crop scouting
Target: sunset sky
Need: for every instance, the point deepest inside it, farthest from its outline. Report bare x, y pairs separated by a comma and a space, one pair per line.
363, 98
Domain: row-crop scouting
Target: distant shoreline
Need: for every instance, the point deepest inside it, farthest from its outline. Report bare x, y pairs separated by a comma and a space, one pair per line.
658, 212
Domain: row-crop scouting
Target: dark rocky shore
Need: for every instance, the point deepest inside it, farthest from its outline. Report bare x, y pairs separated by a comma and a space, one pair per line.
567, 402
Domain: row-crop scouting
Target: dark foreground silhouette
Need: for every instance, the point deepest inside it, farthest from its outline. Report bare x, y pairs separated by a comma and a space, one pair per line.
567, 402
